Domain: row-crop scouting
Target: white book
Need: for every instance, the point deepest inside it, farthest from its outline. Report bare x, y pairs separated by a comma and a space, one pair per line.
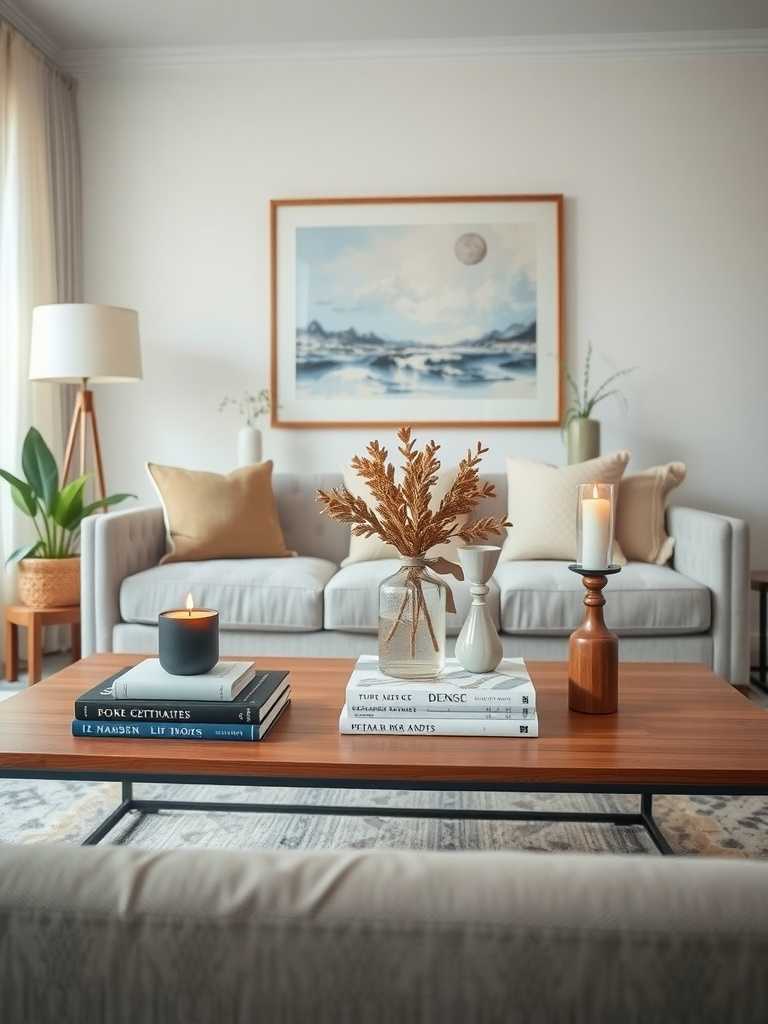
507, 688
149, 680
411, 711
478, 725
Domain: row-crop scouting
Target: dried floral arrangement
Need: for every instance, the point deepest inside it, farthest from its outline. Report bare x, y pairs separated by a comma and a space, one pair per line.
403, 518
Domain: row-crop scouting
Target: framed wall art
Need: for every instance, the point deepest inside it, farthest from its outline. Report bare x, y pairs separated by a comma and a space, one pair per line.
423, 310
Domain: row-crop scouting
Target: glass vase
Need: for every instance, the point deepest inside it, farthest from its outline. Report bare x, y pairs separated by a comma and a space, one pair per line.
412, 605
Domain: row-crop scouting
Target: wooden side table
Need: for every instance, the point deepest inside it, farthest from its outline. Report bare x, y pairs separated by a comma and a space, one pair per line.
759, 582
34, 619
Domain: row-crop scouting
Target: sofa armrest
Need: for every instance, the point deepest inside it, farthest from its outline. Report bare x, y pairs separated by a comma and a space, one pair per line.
111, 934
113, 546
714, 550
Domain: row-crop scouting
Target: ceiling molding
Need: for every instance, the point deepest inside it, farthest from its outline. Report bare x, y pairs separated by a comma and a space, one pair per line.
29, 29
642, 44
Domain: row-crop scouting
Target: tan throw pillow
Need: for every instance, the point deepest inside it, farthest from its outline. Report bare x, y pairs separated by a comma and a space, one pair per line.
541, 505
372, 549
208, 515
640, 518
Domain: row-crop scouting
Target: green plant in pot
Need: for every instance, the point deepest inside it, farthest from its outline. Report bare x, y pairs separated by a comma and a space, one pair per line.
581, 431
49, 567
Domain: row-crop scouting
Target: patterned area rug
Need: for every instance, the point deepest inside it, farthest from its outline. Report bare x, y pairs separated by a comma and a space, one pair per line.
37, 812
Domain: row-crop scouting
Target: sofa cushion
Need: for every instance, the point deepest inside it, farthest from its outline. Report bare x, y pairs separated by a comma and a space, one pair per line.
541, 505
642, 600
640, 513
249, 593
352, 597
208, 515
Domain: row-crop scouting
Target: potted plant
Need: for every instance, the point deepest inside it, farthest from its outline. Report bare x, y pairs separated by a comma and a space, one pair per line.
49, 567
582, 433
251, 408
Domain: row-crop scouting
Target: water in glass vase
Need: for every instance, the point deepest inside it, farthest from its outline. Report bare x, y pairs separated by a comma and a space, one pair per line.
412, 606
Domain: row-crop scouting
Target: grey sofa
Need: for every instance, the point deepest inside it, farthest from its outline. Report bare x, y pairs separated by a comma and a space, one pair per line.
120, 936
693, 610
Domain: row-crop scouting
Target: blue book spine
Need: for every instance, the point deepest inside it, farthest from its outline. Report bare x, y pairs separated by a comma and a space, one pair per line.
165, 730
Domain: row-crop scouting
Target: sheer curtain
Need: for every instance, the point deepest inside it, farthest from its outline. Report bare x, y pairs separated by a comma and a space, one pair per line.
39, 252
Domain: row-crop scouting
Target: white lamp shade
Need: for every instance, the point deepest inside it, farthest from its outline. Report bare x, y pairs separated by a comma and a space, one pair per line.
76, 341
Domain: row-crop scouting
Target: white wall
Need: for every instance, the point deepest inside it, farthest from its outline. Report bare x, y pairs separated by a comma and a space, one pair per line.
664, 163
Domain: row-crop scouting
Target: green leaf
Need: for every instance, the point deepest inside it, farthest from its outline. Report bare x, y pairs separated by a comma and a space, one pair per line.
40, 467
97, 506
68, 504
600, 392
20, 501
21, 492
574, 390
587, 365
606, 394
23, 552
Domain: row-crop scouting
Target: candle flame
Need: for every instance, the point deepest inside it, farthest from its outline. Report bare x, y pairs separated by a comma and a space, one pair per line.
190, 604
594, 495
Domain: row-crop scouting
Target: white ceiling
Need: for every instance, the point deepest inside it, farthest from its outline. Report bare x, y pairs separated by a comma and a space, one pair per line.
142, 24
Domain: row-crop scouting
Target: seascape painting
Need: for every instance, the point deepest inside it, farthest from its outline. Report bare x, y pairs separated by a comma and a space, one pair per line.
439, 313
414, 311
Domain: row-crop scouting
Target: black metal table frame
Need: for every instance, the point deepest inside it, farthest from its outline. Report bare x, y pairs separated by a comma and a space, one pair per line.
759, 672
644, 816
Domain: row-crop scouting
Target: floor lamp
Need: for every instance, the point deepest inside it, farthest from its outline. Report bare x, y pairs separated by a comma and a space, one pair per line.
79, 343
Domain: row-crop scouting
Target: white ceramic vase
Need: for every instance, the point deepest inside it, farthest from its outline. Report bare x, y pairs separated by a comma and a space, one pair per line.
478, 647
248, 446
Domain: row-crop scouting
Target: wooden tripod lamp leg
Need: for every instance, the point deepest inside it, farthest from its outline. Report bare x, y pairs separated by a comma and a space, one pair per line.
83, 434
74, 427
84, 413
100, 485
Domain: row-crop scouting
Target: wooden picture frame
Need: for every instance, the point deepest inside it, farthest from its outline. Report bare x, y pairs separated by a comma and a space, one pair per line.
377, 267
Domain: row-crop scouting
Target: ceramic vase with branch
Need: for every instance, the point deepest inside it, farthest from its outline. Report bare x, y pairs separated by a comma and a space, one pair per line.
251, 408
413, 602
582, 432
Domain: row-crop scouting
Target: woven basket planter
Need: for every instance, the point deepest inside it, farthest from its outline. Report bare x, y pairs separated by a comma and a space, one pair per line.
49, 582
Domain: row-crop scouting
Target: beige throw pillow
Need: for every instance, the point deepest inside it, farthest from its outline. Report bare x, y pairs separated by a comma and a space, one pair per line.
208, 515
541, 505
640, 513
372, 549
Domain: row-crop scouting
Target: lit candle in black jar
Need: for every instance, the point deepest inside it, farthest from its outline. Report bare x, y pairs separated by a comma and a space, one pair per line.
188, 640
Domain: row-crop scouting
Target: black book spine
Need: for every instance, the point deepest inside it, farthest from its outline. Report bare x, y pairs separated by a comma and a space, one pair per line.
214, 712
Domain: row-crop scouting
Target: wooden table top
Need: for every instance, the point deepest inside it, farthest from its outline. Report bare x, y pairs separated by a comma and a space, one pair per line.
677, 725
22, 615
759, 579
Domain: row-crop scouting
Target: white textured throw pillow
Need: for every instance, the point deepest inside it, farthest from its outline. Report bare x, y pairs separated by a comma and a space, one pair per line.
371, 549
541, 505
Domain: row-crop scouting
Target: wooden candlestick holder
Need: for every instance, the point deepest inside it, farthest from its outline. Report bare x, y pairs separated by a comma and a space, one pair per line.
593, 651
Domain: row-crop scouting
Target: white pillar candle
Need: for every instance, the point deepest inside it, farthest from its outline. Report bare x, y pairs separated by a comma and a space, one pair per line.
595, 532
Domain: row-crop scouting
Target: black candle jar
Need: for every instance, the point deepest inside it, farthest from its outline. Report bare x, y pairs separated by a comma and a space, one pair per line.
188, 641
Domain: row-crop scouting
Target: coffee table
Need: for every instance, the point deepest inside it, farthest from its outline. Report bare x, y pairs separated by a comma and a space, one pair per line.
679, 729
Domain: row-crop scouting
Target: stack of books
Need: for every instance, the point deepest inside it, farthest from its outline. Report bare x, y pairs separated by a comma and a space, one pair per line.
456, 703
234, 701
